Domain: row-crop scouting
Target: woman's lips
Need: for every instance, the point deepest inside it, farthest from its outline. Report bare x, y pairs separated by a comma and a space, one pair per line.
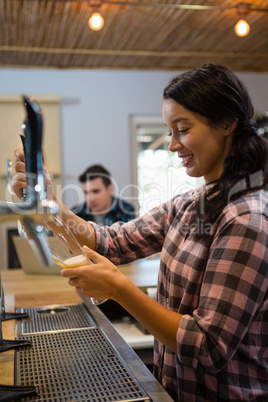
186, 159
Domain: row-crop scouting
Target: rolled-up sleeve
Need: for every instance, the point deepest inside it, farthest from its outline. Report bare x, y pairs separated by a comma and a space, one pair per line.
123, 243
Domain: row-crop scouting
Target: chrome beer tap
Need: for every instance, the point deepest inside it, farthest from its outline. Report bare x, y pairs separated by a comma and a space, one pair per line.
35, 207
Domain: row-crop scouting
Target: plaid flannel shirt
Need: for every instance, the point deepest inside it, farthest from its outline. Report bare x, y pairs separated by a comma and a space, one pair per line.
220, 288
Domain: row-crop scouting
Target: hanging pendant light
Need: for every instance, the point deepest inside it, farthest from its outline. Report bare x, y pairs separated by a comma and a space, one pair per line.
96, 20
242, 28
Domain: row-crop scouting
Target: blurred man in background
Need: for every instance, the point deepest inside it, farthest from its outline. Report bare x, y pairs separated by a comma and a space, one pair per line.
100, 205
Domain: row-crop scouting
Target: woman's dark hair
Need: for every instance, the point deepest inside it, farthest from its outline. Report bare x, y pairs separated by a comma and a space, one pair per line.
215, 92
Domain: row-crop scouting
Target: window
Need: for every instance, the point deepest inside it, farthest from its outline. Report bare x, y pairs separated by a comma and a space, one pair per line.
158, 174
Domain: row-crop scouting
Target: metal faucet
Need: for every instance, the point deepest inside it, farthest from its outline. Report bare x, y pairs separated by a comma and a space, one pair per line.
35, 207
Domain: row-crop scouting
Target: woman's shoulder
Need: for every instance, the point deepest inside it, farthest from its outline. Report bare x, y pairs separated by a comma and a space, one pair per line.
249, 211
255, 201
251, 203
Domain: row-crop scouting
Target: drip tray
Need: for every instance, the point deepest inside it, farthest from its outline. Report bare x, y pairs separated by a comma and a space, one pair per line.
75, 365
52, 318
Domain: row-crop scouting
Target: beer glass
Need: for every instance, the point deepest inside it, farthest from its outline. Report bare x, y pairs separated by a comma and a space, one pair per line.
65, 249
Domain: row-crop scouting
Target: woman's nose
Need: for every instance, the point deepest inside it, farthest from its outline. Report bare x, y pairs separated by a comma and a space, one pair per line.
174, 144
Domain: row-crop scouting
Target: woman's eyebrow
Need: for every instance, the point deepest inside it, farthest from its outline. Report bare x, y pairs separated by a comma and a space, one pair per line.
178, 119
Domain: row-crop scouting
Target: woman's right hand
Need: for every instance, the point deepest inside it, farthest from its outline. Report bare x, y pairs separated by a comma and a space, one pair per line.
18, 181
82, 230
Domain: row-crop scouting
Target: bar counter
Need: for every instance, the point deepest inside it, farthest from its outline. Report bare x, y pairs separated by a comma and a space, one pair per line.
26, 291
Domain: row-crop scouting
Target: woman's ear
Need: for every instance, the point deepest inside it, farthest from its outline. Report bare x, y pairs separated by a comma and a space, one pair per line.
230, 127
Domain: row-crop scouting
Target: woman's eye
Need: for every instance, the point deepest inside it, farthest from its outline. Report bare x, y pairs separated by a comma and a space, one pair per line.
183, 131
180, 131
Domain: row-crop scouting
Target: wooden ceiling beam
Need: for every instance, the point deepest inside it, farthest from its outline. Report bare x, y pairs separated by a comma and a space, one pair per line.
136, 53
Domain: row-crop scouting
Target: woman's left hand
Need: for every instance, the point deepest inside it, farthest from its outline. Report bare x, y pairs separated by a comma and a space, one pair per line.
100, 280
103, 280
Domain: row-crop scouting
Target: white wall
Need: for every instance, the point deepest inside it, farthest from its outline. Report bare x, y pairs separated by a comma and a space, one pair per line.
95, 110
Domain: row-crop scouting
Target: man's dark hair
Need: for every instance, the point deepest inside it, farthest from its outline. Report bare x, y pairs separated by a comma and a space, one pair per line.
94, 172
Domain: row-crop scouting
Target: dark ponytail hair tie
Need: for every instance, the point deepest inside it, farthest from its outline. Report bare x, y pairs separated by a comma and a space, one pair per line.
246, 127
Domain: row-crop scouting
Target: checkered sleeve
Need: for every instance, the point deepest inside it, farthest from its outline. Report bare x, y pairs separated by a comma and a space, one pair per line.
123, 243
230, 311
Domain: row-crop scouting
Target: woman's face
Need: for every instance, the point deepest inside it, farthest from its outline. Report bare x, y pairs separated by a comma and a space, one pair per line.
202, 148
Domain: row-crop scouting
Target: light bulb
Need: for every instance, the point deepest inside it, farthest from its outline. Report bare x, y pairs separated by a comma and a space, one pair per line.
96, 21
242, 28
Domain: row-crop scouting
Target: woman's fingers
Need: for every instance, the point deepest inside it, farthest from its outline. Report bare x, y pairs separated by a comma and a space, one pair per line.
79, 281
73, 281
98, 280
71, 273
18, 179
19, 154
92, 255
18, 183
20, 167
